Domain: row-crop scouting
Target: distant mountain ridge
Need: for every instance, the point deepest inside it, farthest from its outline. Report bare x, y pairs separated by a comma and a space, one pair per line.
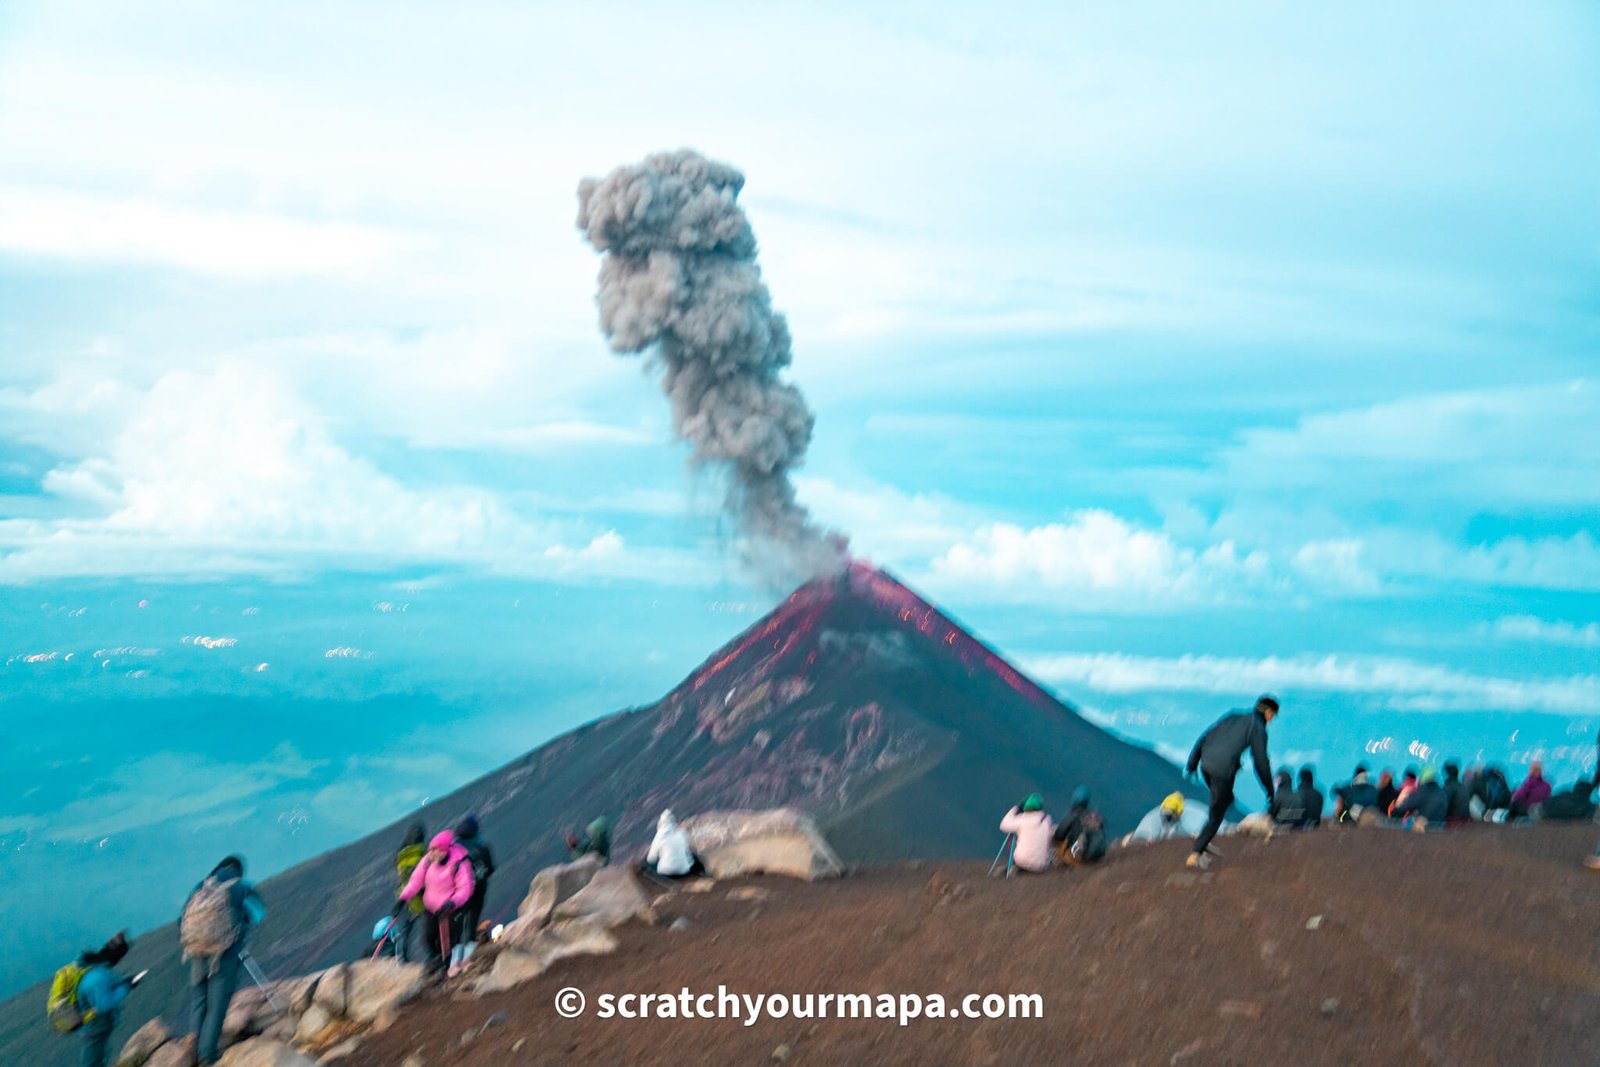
855, 700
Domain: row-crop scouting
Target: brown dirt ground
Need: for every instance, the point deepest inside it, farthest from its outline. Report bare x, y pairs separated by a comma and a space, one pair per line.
1475, 947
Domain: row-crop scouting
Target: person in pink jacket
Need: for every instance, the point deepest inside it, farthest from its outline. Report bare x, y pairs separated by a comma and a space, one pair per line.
445, 880
1531, 794
1033, 829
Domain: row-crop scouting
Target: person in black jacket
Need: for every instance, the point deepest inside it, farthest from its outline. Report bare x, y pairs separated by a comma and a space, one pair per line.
1458, 796
1311, 801
1284, 808
1388, 792
1427, 802
1355, 797
1080, 837
465, 923
1217, 756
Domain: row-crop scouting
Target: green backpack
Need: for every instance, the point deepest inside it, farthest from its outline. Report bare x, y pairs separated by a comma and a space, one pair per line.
62, 1008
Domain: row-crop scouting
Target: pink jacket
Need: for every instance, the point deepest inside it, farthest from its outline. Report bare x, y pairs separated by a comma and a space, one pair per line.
441, 883
1033, 829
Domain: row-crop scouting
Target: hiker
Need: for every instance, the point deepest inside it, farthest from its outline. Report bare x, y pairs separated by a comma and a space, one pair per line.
1356, 798
1491, 795
1284, 808
1081, 836
444, 882
406, 859
670, 855
1388, 792
1033, 829
596, 839
1170, 819
1217, 755
88, 994
1408, 785
1530, 796
1458, 797
465, 940
1572, 805
1311, 800
217, 918
1424, 807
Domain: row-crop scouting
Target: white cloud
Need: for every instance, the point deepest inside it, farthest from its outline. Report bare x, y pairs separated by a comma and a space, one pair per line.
1540, 631
1399, 682
1097, 558
130, 229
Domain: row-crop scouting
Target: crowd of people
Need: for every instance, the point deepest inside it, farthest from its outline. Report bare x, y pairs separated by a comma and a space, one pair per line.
1422, 799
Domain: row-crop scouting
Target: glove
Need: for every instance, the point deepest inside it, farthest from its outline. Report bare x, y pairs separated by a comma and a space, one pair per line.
399, 907
447, 910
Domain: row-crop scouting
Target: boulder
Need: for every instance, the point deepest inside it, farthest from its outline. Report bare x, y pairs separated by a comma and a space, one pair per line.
772, 841
249, 1013
555, 884
179, 1053
315, 1020
296, 993
371, 986
613, 896
145, 1040
570, 937
262, 1053
329, 994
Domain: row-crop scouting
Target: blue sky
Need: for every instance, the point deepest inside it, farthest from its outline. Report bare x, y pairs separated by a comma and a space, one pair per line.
1181, 355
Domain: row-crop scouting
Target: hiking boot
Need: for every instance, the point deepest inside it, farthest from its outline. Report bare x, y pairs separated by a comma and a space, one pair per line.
1199, 861
1592, 862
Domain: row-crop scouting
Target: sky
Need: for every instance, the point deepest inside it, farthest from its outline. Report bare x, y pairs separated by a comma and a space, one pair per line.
1181, 356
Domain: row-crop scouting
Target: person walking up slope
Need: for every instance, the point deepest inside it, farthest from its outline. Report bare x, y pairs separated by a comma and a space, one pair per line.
405, 915
217, 918
444, 881
96, 999
1217, 756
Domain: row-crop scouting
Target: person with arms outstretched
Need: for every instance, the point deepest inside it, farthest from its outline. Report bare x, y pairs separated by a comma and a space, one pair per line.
1217, 756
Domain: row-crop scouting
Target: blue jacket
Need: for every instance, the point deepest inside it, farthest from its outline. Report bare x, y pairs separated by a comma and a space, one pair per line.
102, 990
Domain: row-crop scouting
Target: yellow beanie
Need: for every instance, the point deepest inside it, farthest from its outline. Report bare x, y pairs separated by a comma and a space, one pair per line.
1173, 803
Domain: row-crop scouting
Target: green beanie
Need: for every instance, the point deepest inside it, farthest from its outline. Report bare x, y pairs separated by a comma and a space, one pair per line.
1035, 802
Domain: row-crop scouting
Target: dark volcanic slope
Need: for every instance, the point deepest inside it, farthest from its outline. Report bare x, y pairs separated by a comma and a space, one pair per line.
854, 699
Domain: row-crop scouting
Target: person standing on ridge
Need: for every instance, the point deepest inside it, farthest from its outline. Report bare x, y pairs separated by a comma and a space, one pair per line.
466, 927
1217, 756
444, 881
98, 998
406, 859
217, 918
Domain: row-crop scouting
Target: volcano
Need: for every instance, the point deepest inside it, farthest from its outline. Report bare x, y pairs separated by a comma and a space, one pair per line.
855, 700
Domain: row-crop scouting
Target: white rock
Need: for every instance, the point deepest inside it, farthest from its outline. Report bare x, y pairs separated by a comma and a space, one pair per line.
372, 986
613, 896
262, 1053
571, 937
770, 841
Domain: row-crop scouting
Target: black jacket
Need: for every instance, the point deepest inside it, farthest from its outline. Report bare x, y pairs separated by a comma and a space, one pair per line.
1285, 806
1427, 800
482, 864
1571, 804
1459, 798
1359, 795
1311, 804
1221, 749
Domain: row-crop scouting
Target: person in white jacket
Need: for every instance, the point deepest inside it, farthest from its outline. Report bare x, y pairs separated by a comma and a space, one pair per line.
1033, 829
670, 855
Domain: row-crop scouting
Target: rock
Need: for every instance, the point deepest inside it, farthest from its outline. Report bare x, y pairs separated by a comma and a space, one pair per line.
413, 1060
749, 892
296, 993
782, 1053
263, 1053
330, 993
282, 1030
249, 1014
1330, 1007
371, 986
613, 896
573, 937
517, 1045
1249, 1009
555, 884
315, 1020
341, 1050
772, 841
680, 924
178, 1053
698, 885
1314, 923
145, 1040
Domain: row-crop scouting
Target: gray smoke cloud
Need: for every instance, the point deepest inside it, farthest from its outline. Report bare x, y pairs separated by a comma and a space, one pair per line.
679, 280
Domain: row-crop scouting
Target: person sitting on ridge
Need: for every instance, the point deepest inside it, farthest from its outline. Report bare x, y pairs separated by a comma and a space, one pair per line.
1530, 796
1388, 792
1457, 795
1284, 808
670, 855
1081, 836
1355, 799
1170, 819
596, 839
1033, 829
1311, 801
1408, 785
1426, 807
1572, 805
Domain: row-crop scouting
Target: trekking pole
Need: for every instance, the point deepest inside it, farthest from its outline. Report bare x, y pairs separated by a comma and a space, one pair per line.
997, 856
259, 979
444, 940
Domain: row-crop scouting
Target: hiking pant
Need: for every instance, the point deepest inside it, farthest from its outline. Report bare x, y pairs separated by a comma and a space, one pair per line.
465, 929
97, 1040
212, 981
1221, 801
434, 956
400, 935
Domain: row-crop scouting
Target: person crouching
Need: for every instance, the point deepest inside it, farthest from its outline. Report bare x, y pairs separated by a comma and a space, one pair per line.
1033, 829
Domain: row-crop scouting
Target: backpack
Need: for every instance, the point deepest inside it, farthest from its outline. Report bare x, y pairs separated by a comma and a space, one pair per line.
210, 924
1092, 843
62, 1007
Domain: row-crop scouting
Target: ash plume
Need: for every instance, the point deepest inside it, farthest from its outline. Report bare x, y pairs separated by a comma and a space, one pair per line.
679, 281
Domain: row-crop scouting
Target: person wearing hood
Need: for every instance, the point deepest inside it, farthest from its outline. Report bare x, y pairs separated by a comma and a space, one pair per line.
1081, 836
1531, 794
1458, 796
596, 839
1425, 806
101, 991
1218, 754
1408, 785
1284, 808
405, 914
1355, 798
464, 941
217, 918
1173, 817
1572, 805
670, 855
1311, 800
444, 882
1033, 829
